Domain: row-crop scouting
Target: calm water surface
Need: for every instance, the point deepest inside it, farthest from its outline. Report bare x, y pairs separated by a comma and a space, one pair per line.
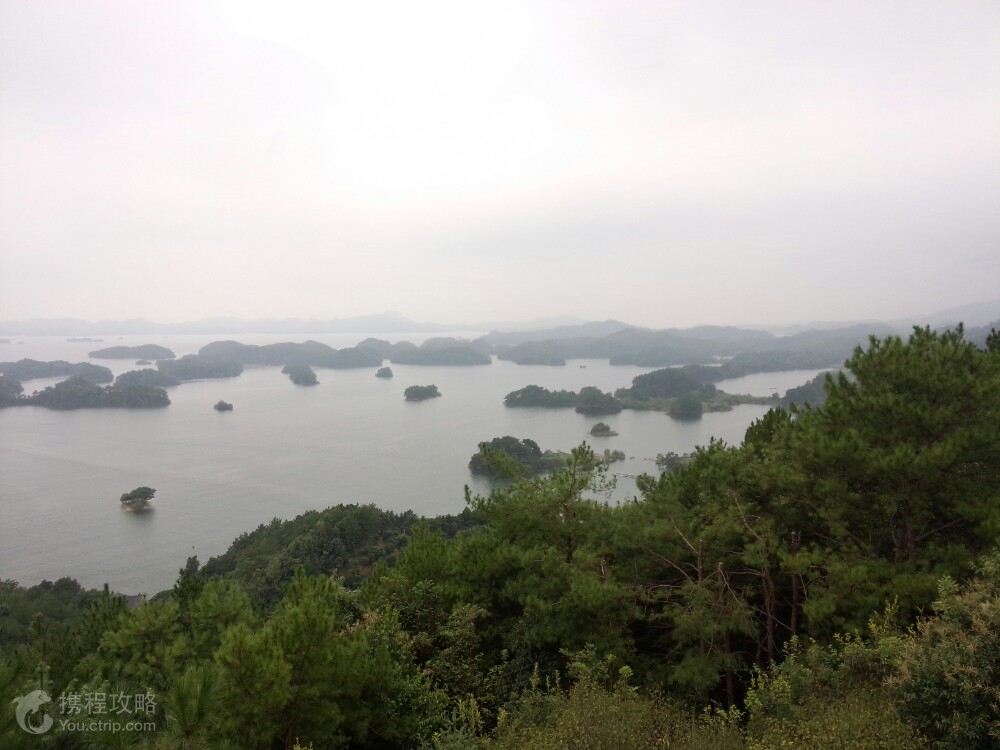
283, 450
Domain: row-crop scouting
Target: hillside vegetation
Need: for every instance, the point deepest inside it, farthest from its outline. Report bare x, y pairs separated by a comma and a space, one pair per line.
831, 582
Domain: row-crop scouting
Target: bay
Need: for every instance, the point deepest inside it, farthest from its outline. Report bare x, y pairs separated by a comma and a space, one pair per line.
283, 450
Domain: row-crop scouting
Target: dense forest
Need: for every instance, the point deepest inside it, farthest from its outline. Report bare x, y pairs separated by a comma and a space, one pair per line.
79, 393
831, 582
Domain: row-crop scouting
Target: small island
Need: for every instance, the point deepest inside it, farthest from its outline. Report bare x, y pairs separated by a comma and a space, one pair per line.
383, 372
300, 374
221, 405
144, 351
610, 456
602, 430
508, 457
143, 362
421, 392
138, 499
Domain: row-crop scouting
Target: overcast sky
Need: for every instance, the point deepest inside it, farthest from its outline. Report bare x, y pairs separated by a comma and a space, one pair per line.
663, 163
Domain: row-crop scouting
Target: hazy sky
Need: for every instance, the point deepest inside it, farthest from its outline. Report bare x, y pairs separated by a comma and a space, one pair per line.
663, 163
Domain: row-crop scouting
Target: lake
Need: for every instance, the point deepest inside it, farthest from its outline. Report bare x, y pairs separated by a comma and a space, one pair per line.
284, 449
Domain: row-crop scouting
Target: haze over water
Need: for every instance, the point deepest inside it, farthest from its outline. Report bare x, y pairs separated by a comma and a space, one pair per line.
284, 450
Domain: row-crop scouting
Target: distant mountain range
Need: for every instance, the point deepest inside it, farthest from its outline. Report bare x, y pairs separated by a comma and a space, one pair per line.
502, 332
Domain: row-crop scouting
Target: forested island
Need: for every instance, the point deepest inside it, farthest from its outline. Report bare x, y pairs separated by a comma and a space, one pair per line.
300, 374
590, 400
602, 430
830, 582
151, 377
221, 405
421, 392
683, 392
137, 499
740, 351
198, 367
79, 393
143, 351
383, 372
311, 353
29, 369
509, 457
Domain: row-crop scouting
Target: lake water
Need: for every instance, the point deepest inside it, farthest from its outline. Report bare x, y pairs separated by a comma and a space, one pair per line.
283, 450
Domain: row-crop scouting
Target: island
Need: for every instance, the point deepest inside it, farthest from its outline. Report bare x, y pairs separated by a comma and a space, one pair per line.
221, 405
198, 367
602, 430
673, 390
535, 395
137, 499
78, 393
508, 457
383, 372
590, 401
421, 392
300, 374
29, 369
143, 362
149, 377
312, 353
143, 351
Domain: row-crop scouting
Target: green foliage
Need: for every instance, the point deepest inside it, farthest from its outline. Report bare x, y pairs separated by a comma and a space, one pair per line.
812, 393
78, 393
741, 577
948, 685
602, 430
670, 382
346, 540
147, 377
47, 606
29, 369
198, 367
535, 395
10, 391
300, 374
421, 392
509, 457
687, 407
137, 499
